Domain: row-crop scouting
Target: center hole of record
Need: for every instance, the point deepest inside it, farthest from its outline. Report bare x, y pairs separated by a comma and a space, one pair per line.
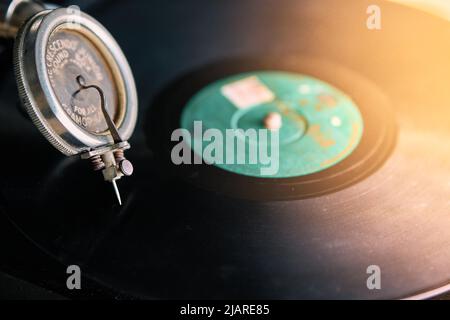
292, 125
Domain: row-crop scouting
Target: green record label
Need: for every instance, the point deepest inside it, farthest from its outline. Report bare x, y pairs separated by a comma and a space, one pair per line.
317, 124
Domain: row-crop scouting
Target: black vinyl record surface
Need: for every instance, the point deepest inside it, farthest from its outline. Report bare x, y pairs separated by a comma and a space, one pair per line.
227, 236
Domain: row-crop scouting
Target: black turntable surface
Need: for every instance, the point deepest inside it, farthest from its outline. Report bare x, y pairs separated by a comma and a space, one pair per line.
211, 234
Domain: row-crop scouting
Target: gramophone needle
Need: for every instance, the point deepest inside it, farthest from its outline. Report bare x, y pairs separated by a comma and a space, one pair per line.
116, 190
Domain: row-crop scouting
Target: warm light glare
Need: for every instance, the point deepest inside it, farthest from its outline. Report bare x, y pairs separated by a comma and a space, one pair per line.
440, 8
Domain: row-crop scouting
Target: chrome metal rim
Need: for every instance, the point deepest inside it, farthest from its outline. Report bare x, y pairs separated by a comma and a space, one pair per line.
37, 94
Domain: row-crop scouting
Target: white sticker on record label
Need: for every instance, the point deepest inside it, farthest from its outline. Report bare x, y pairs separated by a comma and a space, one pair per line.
247, 92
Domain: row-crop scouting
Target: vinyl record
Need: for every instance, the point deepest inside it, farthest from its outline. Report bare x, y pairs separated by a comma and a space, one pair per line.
376, 128
208, 232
